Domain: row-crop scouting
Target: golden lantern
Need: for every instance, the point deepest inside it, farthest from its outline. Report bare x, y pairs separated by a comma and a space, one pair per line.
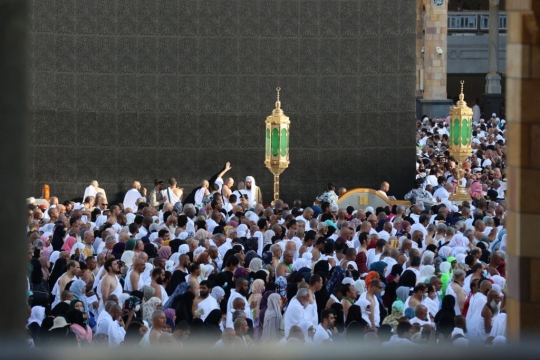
460, 140
277, 144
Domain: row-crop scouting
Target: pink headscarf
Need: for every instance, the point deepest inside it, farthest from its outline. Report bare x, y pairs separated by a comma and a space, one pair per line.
165, 252
44, 269
68, 244
47, 253
44, 239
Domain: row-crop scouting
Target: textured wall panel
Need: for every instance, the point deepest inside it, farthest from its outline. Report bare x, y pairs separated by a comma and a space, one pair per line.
134, 89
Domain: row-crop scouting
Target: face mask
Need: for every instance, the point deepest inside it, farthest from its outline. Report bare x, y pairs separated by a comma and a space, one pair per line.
382, 293
485, 273
494, 306
424, 297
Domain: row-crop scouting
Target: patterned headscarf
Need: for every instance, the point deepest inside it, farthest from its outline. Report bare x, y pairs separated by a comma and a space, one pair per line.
281, 286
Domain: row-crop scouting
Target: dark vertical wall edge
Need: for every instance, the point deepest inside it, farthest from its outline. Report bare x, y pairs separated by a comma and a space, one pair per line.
13, 166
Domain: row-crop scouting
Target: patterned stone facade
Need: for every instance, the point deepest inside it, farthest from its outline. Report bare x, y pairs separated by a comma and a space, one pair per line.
523, 116
132, 89
436, 30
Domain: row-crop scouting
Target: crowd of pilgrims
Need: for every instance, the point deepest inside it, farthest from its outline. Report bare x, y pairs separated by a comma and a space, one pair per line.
237, 274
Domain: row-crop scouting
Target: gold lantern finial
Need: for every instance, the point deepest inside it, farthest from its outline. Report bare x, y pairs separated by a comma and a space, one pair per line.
277, 110
461, 102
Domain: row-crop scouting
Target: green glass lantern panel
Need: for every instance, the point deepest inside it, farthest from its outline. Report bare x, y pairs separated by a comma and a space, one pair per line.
465, 132
275, 142
451, 132
455, 132
284, 140
268, 142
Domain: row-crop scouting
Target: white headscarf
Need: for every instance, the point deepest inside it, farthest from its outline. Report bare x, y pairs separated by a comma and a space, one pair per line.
427, 255
183, 249
255, 265
445, 267
37, 315
54, 256
364, 303
445, 251
127, 258
76, 246
458, 250
253, 190
175, 259
272, 319
426, 272
360, 286
268, 235
122, 299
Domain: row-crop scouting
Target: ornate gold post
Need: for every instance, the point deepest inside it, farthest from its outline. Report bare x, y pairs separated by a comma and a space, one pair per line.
460, 140
277, 144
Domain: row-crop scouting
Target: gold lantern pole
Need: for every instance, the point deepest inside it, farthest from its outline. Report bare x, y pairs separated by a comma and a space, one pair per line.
277, 144
460, 140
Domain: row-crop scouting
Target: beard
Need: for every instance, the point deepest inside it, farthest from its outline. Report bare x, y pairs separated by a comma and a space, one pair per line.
244, 293
159, 281
248, 187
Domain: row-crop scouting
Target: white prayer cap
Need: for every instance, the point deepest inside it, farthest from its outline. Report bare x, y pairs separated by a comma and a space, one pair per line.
31, 200
334, 207
348, 280
493, 115
370, 209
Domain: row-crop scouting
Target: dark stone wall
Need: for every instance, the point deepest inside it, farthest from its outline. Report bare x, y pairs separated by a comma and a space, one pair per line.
143, 89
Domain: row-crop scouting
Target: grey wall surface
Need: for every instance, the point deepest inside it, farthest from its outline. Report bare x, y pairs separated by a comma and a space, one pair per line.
469, 54
144, 89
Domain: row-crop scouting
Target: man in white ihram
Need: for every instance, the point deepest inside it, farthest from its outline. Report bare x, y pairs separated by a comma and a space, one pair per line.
92, 189
136, 192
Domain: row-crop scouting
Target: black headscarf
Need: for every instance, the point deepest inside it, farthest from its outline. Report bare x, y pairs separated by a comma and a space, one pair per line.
261, 274
175, 245
58, 270
445, 317
58, 237
408, 279
396, 270
212, 332
321, 267
75, 316
36, 276
183, 307
150, 250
